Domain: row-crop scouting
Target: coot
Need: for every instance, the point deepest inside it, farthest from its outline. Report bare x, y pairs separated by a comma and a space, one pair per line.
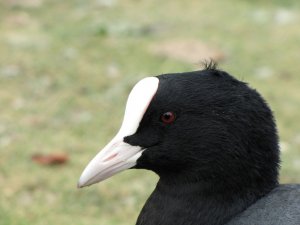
213, 142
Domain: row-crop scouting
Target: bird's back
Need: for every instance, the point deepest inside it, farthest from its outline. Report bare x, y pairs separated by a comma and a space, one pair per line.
280, 207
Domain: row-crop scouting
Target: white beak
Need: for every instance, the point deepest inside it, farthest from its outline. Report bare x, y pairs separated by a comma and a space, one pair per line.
117, 155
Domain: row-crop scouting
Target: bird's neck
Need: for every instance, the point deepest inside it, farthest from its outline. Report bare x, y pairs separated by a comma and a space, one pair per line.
194, 204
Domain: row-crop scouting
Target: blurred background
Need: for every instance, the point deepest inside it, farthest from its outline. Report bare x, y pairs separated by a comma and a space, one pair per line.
66, 68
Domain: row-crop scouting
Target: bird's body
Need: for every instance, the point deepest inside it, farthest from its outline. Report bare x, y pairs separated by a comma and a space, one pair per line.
213, 142
164, 207
280, 207
190, 205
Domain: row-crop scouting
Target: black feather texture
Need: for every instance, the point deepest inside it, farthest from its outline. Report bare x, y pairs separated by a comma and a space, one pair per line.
216, 159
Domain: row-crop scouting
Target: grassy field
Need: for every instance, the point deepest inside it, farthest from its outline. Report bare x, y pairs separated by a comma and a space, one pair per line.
66, 68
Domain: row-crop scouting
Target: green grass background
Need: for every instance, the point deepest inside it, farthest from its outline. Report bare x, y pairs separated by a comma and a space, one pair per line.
66, 68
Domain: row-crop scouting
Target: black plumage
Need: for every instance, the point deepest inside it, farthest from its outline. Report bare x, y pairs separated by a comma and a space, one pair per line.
217, 159
213, 142
279, 207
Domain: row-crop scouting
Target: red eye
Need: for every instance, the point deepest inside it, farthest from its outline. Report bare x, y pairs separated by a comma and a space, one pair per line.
168, 117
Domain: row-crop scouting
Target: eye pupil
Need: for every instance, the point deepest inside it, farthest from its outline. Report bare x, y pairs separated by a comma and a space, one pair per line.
168, 117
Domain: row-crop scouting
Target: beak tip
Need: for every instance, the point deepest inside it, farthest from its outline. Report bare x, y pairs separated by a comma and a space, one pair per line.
84, 182
80, 185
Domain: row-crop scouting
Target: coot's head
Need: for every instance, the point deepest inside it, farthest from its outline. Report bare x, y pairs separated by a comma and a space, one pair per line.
192, 127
